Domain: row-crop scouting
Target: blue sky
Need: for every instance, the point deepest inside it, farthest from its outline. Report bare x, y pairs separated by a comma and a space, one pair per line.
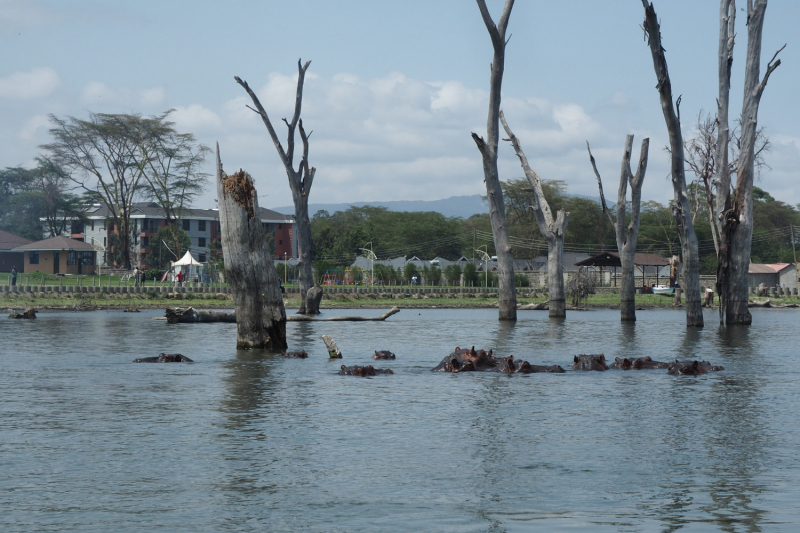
394, 88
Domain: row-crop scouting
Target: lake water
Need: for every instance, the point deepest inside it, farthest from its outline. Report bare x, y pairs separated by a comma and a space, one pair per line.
249, 441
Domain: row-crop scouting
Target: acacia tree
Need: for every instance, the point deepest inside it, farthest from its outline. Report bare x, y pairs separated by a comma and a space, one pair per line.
735, 212
627, 236
102, 156
300, 181
505, 258
681, 208
173, 172
552, 230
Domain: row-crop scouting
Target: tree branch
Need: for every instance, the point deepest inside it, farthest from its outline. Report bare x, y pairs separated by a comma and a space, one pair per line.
600, 185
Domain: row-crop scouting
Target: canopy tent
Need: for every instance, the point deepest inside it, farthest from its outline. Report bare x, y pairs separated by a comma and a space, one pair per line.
190, 266
640, 260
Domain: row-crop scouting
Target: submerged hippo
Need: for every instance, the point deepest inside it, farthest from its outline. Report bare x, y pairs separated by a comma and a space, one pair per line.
692, 368
638, 363
590, 362
524, 367
363, 371
383, 354
481, 359
165, 358
452, 363
295, 355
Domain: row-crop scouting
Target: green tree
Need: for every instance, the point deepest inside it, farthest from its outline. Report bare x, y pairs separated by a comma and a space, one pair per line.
435, 275
470, 275
410, 271
168, 244
452, 274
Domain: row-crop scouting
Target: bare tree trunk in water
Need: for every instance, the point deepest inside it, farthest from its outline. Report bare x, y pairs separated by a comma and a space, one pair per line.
497, 210
681, 209
260, 315
300, 181
552, 231
736, 215
627, 236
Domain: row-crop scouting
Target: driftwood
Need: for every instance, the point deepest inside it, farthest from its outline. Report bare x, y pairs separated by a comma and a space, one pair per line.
190, 315
333, 351
30, 312
541, 306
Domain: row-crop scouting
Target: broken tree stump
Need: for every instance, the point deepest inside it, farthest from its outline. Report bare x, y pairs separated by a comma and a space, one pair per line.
249, 270
30, 312
333, 350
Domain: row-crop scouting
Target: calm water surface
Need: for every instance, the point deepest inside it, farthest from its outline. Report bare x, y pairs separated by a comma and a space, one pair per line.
248, 441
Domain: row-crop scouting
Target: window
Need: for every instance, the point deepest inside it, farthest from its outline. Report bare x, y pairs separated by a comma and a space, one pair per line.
33, 258
104, 242
219, 227
187, 225
86, 258
72, 259
202, 258
146, 241
280, 226
280, 241
201, 225
92, 225
201, 242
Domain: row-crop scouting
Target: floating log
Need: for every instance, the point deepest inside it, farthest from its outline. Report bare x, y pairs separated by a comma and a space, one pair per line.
541, 306
190, 315
759, 304
30, 312
333, 351
770, 305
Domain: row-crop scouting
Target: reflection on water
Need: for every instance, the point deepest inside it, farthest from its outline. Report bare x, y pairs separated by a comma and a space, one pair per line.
252, 441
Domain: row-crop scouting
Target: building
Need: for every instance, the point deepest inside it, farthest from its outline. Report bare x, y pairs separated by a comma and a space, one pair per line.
774, 275
58, 255
202, 226
9, 258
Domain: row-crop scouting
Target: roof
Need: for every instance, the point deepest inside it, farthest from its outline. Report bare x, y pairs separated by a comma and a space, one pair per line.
9, 240
56, 244
760, 268
187, 259
611, 259
153, 210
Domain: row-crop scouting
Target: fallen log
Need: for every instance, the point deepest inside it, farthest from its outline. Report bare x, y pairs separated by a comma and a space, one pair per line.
30, 312
541, 306
759, 304
190, 315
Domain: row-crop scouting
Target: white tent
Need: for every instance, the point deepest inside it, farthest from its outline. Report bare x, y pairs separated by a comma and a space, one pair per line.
190, 267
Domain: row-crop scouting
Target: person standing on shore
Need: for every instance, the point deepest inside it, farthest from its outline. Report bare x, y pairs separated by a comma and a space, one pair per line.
179, 277
13, 276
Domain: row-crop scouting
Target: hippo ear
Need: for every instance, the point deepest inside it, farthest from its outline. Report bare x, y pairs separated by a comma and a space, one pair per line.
490, 351
472, 351
575, 358
343, 367
510, 357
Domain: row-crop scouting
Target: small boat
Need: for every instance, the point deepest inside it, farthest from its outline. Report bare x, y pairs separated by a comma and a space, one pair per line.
663, 289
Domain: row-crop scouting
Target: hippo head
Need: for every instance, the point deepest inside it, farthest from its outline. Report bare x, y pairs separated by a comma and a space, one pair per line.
590, 362
506, 365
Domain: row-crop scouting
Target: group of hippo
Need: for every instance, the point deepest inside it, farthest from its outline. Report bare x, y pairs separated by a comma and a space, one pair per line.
472, 360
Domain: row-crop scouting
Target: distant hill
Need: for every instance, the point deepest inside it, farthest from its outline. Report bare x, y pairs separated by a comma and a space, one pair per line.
455, 206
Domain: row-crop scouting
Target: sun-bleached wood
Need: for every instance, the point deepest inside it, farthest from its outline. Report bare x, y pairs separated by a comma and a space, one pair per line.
627, 236
249, 270
300, 181
681, 209
507, 305
552, 231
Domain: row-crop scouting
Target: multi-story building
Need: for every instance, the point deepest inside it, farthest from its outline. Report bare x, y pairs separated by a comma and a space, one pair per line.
202, 226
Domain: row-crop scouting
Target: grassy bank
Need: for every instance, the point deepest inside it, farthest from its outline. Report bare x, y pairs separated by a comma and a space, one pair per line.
330, 301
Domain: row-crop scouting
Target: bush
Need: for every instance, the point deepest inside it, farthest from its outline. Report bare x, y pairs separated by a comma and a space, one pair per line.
153, 274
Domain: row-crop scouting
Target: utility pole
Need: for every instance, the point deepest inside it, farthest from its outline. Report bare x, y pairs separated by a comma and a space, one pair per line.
285, 269
485, 256
369, 254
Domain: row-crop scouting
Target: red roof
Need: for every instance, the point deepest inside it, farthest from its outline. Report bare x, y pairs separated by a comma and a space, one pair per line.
56, 244
9, 240
759, 268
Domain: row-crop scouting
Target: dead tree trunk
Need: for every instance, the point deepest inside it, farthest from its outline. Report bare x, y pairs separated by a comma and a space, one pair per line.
627, 236
190, 315
736, 214
552, 231
497, 211
681, 210
300, 182
249, 270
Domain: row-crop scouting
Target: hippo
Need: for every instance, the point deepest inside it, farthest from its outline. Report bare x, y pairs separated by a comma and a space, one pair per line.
165, 358
363, 371
383, 354
451, 363
481, 359
295, 355
505, 365
692, 368
638, 363
524, 367
590, 362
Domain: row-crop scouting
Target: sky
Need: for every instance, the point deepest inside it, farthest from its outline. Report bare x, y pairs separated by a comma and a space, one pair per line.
394, 88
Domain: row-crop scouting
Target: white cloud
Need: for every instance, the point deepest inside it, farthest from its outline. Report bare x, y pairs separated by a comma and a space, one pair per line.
96, 92
32, 84
195, 118
33, 125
